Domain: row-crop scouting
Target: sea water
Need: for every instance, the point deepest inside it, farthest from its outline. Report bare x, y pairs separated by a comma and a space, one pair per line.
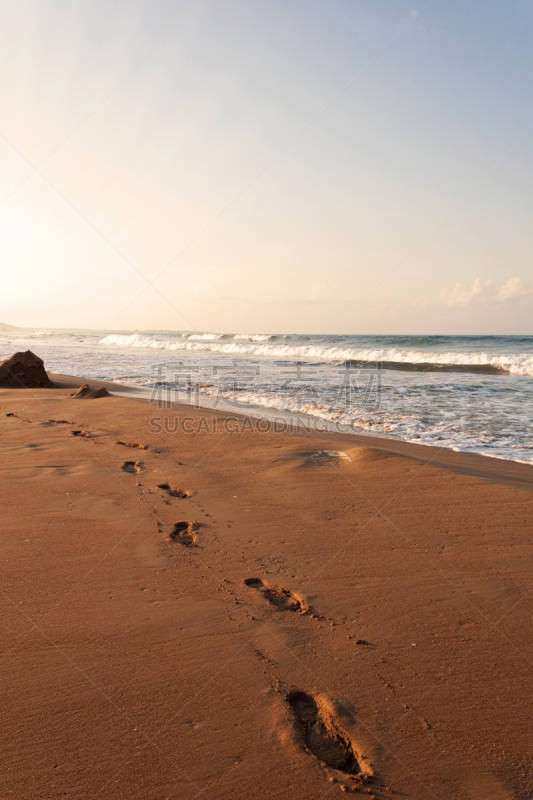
469, 393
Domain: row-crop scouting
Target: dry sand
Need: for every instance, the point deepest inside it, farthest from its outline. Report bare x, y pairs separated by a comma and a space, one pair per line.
232, 616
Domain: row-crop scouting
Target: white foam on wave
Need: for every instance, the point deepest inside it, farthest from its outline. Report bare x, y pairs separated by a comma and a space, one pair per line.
488, 416
449, 432
253, 337
517, 364
206, 337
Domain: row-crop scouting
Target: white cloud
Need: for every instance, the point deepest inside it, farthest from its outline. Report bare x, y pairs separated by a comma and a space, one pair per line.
485, 293
515, 287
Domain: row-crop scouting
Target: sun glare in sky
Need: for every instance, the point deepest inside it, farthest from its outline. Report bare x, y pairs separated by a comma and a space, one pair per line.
321, 167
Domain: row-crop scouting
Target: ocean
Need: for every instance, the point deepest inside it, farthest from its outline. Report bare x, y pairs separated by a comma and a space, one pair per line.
467, 393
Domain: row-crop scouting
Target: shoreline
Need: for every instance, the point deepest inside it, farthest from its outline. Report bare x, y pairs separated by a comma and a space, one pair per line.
502, 470
476, 413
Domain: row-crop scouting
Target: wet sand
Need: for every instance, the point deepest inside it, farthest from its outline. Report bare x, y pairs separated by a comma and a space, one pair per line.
227, 613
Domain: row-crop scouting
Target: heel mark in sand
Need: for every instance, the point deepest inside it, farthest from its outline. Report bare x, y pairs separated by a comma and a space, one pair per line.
184, 533
173, 491
12, 414
133, 467
281, 598
81, 433
133, 444
321, 735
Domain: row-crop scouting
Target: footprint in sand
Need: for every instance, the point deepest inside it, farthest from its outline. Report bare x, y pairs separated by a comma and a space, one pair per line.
81, 433
283, 599
321, 735
133, 444
184, 533
133, 467
173, 491
57, 422
12, 414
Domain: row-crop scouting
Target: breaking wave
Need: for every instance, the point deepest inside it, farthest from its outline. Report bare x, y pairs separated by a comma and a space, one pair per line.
253, 337
390, 358
207, 337
469, 393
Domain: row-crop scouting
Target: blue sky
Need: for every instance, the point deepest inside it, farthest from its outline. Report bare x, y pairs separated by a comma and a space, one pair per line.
332, 166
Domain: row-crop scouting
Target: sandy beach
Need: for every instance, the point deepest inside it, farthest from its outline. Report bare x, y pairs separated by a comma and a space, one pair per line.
266, 400
229, 613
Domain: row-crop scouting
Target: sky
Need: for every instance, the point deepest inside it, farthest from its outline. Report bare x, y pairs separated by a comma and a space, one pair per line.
259, 166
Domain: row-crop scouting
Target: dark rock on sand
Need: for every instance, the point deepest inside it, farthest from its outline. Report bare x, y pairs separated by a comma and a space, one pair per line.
24, 370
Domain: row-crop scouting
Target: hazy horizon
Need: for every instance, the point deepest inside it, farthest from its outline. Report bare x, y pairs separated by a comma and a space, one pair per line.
241, 333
